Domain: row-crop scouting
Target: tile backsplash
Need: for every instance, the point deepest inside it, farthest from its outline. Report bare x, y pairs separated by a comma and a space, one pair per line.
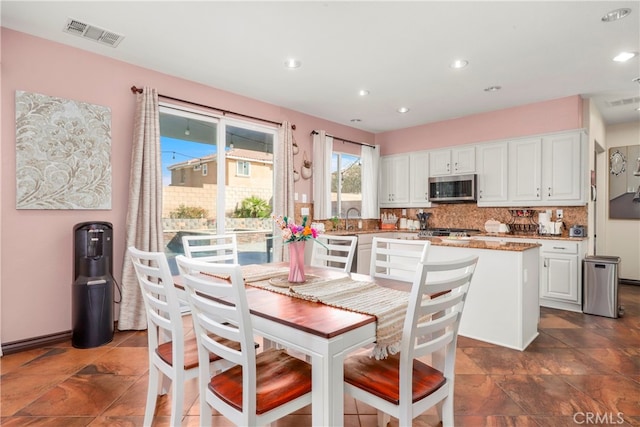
462, 215
469, 215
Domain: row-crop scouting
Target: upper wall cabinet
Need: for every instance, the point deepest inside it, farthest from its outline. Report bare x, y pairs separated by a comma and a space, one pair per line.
394, 180
564, 168
544, 170
419, 180
404, 180
492, 168
454, 161
525, 174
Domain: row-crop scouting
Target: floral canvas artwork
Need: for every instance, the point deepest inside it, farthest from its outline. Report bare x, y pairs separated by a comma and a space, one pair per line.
63, 153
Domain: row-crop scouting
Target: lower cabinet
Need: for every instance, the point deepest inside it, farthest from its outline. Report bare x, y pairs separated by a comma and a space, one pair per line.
560, 275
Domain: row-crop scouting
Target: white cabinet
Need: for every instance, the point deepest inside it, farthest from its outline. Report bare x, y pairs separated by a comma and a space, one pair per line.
492, 173
545, 170
419, 179
563, 171
454, 161
525, 172
404, 180
394, 180
559, 272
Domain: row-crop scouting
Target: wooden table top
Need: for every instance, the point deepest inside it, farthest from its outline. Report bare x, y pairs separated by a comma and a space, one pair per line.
312, 317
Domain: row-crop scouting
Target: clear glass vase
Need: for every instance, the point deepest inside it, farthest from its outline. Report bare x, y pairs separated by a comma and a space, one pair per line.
296, 261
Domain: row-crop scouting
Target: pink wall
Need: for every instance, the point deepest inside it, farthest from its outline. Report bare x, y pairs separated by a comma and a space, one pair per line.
36, 265
542, 117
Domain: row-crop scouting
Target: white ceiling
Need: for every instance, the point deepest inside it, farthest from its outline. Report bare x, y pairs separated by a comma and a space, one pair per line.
399, 51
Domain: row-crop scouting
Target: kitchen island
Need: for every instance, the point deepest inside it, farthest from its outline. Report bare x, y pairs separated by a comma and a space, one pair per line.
502, 305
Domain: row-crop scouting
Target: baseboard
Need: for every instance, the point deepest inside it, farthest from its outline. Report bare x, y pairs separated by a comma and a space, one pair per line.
36, 342
629, 282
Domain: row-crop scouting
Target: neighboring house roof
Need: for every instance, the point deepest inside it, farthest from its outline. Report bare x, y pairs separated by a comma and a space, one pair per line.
256, 156
234, 153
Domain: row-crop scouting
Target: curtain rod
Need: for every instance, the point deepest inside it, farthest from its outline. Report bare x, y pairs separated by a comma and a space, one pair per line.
315, 132
223, 111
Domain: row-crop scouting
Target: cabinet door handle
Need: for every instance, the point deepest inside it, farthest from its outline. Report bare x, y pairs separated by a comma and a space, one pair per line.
559, 247
537, 192
549, 191
545, 262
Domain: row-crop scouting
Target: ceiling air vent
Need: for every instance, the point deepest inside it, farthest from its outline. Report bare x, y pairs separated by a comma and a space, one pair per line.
92, 32
625, 101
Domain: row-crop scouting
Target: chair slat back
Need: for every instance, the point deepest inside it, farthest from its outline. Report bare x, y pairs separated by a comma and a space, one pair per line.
396, 259
432, 324
160, 297
219, 307
334, 252
222, 248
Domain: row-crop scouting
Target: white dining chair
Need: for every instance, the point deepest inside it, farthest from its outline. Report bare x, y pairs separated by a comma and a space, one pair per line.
396, 259
172, 357
212, 247
260, 388
334, 252
403, 385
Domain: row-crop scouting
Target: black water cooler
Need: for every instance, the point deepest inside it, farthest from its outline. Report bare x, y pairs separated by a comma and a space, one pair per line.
92, 289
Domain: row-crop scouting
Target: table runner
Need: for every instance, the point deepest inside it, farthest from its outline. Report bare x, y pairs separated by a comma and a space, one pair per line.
389, 306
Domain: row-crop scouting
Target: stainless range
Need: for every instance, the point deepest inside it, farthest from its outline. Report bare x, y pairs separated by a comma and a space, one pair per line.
443, 232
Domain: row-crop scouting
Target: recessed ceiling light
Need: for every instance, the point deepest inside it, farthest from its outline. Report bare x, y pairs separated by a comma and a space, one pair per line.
492, 88
624, 56
356, 120
614, 15
402, 110
459, 63
363, 92
292, 63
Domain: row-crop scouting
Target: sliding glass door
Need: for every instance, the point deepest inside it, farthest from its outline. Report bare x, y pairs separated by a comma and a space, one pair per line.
217, 179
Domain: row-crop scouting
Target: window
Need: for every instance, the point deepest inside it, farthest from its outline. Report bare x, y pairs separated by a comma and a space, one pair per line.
195, 201
346, 187
243, 168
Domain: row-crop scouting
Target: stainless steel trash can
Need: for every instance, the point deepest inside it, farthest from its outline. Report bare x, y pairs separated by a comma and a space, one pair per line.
600, 286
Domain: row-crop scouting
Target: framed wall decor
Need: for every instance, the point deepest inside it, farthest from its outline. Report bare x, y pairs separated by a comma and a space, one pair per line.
63, 153
624, 182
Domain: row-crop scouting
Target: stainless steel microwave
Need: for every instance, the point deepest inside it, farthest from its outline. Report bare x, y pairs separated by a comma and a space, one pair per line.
453, 188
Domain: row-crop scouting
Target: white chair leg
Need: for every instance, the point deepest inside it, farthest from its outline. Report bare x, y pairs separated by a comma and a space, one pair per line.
383, 419
152, 396
205, 411
164, 385
177, 398
446, 411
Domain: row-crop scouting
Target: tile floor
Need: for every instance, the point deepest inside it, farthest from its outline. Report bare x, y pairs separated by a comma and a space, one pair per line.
581, 370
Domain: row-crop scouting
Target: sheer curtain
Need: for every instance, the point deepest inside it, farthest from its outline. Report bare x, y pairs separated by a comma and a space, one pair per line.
144, 216
370, 158
283, 194
322, 153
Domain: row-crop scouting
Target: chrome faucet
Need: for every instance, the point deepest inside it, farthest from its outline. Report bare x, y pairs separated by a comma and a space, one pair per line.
346, 220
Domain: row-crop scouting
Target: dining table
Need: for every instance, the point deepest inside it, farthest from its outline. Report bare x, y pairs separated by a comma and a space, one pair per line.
325, 333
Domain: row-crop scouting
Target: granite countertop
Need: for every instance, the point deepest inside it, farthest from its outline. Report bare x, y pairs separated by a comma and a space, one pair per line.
563, 236
451, 242
472, 243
